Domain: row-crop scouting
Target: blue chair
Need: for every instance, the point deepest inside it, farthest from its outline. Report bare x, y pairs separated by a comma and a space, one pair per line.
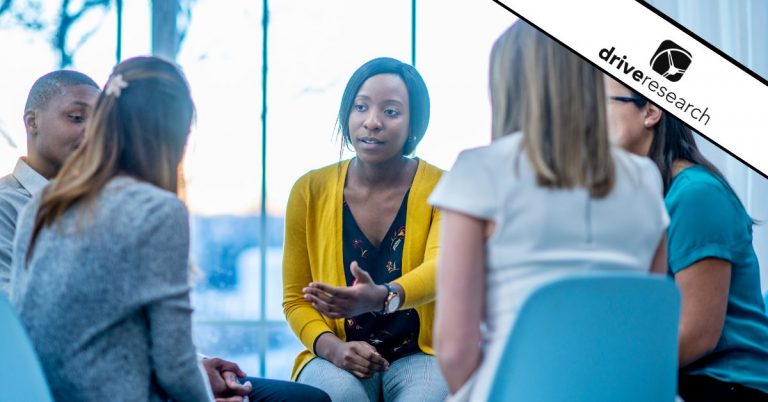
21, 377
593, 337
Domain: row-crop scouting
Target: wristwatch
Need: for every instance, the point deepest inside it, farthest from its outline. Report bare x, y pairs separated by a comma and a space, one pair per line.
392, 303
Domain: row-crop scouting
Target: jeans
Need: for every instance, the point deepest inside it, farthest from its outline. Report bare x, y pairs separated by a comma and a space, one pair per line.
267, 390
414, 378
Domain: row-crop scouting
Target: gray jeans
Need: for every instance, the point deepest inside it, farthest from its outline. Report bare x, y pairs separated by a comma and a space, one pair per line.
414, 378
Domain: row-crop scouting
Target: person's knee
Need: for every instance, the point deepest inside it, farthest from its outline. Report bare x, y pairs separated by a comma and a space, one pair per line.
341, 391
415, 377
338, 384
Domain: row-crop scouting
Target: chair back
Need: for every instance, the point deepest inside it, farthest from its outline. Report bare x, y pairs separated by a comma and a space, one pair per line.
593, 337
21, 376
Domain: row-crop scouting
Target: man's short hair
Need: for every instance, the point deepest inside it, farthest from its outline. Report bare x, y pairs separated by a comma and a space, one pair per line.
51, 85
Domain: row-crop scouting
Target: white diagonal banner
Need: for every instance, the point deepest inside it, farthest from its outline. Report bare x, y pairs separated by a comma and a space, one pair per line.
665, 64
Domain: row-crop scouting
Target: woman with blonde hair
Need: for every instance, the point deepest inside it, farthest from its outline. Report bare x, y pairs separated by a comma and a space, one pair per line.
546, 199
100, 267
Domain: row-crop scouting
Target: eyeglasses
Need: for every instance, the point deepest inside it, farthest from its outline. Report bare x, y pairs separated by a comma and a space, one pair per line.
639, 102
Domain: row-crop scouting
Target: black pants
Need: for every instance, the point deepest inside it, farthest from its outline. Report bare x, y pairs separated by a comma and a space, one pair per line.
701, 388
266, 390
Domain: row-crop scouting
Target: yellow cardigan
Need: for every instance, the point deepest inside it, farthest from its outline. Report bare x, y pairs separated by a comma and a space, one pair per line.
313, 252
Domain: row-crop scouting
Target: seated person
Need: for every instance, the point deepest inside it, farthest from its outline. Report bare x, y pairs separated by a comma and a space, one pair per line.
548, 198
100, 263
723, 323
58, 105
360, 249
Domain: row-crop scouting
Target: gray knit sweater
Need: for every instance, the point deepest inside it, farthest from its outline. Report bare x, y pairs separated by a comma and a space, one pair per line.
105, 297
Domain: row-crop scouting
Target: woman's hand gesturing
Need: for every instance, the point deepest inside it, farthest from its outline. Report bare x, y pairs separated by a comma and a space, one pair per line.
347, 301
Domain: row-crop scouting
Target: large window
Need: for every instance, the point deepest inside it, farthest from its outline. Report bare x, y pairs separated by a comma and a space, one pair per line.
313, 48
453, 45
28, 53
222, 58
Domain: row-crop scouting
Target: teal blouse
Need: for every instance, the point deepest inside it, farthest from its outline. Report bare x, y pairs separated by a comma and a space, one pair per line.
708, 221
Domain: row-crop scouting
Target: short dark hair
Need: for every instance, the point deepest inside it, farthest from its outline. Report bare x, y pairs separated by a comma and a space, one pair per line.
50, 85
418, 98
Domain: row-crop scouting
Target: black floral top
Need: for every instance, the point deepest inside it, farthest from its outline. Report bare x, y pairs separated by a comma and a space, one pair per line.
393, 335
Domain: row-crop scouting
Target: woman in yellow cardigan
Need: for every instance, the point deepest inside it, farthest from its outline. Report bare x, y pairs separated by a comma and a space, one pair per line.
360, 249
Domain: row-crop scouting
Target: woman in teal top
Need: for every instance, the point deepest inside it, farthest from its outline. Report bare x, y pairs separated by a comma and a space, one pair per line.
723, 323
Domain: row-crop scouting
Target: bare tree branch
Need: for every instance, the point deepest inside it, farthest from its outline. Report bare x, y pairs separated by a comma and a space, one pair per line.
169, 25
5, 5
84, 38
28, 16
66, 21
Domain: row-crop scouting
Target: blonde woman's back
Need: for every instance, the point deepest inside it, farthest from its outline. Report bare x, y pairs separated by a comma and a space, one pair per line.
543, 233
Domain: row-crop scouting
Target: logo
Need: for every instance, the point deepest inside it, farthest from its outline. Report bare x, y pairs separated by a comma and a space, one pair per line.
671, 60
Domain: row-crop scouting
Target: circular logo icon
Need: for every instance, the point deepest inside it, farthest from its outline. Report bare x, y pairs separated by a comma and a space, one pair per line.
671, 61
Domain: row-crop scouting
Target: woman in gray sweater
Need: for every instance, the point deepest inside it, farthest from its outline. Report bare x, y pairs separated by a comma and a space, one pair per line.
100, 271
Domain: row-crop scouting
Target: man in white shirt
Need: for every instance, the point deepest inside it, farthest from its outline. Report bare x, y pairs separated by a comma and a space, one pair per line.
57, 108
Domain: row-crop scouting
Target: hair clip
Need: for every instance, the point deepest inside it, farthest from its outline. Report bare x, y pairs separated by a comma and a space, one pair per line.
116, 85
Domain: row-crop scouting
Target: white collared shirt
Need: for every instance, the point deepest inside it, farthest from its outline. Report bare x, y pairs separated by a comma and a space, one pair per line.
16, 189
